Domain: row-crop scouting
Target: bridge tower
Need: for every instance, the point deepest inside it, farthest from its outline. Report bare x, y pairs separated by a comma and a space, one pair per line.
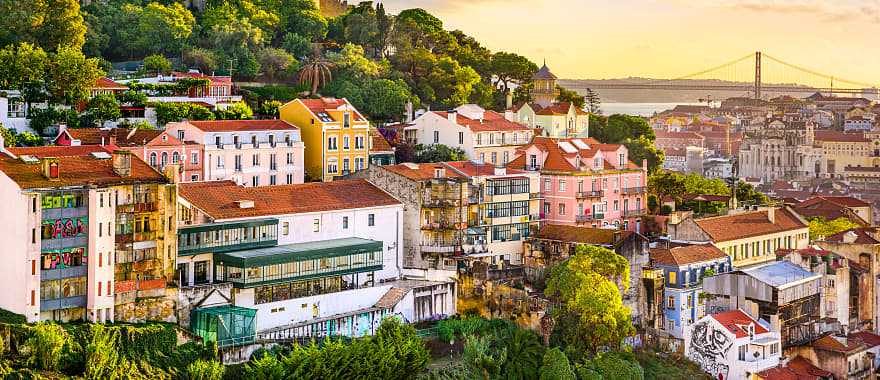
757, 75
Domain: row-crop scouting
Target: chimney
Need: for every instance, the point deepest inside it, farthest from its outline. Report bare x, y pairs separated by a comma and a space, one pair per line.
409, 112
51, 168
508, 99
452, 115
122, 163
439, 172
771, 215
509, 115
245, 204
850, 237
172, 172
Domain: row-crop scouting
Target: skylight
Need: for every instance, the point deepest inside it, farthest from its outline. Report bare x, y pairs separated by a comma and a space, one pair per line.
101, 155
324, 117
567, 147
580, 144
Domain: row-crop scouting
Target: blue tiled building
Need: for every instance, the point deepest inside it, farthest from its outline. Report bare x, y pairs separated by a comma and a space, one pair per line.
683, 270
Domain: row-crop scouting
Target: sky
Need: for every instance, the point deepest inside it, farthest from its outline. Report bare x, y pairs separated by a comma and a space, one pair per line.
671, 38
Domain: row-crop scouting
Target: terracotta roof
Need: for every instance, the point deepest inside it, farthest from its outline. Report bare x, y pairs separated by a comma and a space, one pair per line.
123, 137
391, 298
559, 108
218, 199
329, 104
420, 172
688, 254
242, 125
544, 73
678, 135
108, 84
379, 143
734, 319
831, 207
869, 339
80, 169
843, 345
749, 224
474, 169
796, 369
864, 235
558, 160
492, 121
55, 151
838, 136
842, 200
681, 108
583, 235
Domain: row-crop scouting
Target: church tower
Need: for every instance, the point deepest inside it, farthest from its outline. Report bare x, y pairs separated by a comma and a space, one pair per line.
544, 90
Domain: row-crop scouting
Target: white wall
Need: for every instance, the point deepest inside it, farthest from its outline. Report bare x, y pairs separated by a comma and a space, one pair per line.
18, 252
101, 253
430, 122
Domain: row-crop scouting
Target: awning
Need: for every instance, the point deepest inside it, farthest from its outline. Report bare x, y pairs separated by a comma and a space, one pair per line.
298, 252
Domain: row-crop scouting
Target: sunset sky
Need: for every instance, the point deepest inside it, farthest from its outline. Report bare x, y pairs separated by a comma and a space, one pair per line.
670, 38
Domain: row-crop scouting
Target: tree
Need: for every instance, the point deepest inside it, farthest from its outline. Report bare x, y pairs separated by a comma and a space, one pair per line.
316, 73
617, 128
164, 28
268, 368
594, 102
157, 63
297, 45
747, 195
451, 82
72, 75
425, 21
524, 354
385, 99
478, 354
50, 24
204, 370
235, 111
101, 354
643, 149
593, 311
10, 138
202, 59
820, 228
612, 365
270, 108
174, 112
22, 63
303, 18
570, 96
556, 366
276, 63
103, 107
437, 153
510, 68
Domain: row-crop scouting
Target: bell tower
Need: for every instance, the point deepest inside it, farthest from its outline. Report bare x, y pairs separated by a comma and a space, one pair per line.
544, 90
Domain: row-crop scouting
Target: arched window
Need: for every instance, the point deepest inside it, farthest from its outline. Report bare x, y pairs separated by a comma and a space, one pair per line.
175, 158
153, 159
164, 159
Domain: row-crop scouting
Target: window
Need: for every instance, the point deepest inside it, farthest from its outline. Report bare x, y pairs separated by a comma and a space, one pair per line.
371, 220
622, 159
546, 207
345, 144
219, 162
359, 163
273, 180
670, 302
690, 300
359, 142
346, 120
344, 222
256, 160
332, 143
254, 142
100, 229
672, 279
345, 167
273, 163
494, 157
460, 138
332, 166
436, 137
175, 158
195, 158
285, 228
533, 161
743, 349
316, 225
561, 185
238, 162
218, 142
236, 142
290, 158
255, 181
562, 209
153, 159
506, 157
548, 185
194, 178
290, 179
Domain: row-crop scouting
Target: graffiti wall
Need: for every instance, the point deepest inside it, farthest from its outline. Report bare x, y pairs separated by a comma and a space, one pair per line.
65, 228
64, 258
708, 347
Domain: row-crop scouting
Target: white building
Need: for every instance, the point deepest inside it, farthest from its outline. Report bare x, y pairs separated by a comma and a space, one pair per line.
732, 345
858, 124
312, 259
14, 111
482, 135
249, 152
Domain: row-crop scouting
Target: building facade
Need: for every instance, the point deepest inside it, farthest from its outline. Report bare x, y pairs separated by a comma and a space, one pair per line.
732, 345
248, 152
586, 183
336, 134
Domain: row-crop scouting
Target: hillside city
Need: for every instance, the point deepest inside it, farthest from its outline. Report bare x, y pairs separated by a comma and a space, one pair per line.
268, 189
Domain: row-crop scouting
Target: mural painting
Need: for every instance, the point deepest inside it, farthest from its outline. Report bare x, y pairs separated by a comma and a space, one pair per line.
65, 228
64, 258
708, 347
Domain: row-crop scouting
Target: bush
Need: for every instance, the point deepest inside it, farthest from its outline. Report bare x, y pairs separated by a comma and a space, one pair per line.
9, 317
556, 366
45, 346
267, 367
204, 370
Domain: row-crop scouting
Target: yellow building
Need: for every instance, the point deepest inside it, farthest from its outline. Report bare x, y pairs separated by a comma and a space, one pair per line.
335, 134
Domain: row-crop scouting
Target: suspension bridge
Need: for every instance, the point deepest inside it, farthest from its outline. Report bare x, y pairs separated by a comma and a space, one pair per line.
757, 74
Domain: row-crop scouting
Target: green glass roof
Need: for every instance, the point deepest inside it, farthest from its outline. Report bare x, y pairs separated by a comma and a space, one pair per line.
226, 225
226, 309
298, 252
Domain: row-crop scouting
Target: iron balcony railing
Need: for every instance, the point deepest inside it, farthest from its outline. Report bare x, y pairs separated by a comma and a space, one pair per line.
632, 190
589, 194
637, 212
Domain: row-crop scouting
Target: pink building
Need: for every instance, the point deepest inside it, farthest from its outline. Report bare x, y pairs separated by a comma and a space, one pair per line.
155, 147
586, 183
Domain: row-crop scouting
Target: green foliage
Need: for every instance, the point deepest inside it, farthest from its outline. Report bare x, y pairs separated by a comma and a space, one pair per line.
202, 59
657, 367
570, 96
45, 346
204, 370
9, 317
616, 129
642, 148
267, 367
819, 227
593, 315
747, 195
174, 112
282, 93
133, 98
510, 68
235, 111
270, 108
422, 18
51, 24
22, 63
157, 64
611, 365
71, 75
277, 64
556, 366
524, 354
42, 118
101, 355
297, 45
437, 153
103, 107
593, 103
163, 28
479, 355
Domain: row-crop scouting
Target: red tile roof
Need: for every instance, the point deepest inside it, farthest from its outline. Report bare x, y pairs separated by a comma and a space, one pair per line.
122, 137
831, 207
583, 235
560, 108
329, 104
420, 172
56, 151
492, 121
864, 235
558, 160
379, 143
473, 169
108, 84
749, 224
843, 345
868, 338
678, 135
735, 321
242, 125
798, 368
688, 254
77, 168
218, 199
838, 136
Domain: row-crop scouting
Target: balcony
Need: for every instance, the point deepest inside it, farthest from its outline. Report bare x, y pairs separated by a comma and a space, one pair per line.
533, 168
227, 237
138, 207
536, 217
124, 238
440, 202
638, 212
536, 196
589, 194
632, 190
581, 219
63, 303
443, 226
440, 247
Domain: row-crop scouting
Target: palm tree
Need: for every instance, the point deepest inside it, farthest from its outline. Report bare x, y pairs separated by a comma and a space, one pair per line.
316, 71
524, 355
